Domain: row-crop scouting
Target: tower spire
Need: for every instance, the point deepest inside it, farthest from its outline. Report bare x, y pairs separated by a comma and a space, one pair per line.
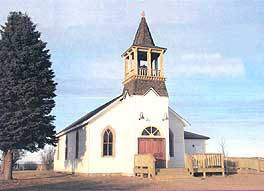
143, 36
143, 14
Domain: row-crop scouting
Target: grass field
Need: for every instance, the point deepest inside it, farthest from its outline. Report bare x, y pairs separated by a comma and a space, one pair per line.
48, 180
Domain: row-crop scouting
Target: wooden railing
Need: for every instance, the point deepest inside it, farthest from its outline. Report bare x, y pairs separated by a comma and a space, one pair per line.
261, 164
215, 162
205, 162
144, 165
238, 164
188, 163
208, 160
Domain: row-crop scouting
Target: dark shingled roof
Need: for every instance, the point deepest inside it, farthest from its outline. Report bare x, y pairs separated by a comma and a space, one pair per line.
140, 87
89, 115
143, 36
189, 135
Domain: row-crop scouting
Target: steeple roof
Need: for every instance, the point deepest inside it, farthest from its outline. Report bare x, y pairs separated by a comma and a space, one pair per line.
143, 36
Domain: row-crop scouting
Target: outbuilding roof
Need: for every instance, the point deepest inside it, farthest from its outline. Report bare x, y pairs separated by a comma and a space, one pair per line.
190, 135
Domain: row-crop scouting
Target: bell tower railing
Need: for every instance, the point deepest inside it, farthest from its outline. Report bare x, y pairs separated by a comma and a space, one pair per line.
155, 73
142, 71
144, 63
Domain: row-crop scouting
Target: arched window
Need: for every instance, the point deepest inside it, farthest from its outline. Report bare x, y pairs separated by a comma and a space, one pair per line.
108, 143
171, 143
150, 131
66, 147
77, 144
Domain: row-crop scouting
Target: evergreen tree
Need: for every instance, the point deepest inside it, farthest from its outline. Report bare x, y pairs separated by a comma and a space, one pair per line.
27, 89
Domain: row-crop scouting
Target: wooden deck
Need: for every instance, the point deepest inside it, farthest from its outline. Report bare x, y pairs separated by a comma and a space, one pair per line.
205, 163
144, 165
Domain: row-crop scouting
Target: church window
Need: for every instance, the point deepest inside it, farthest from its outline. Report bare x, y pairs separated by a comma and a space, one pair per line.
108, 143
150, 131
66, 148
77, 145
171, 143
58, 150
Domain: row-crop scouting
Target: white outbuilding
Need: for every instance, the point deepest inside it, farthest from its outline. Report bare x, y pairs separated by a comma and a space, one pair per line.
194, 143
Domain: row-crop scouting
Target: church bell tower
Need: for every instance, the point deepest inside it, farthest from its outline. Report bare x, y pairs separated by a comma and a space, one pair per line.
144, 64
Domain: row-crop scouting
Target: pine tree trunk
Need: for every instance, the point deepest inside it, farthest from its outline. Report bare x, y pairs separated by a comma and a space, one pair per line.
8, 158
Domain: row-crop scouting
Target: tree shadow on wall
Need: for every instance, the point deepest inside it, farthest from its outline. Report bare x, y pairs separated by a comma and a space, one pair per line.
74, 160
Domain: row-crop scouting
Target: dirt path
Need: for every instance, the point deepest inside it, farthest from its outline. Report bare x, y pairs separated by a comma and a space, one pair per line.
46, 181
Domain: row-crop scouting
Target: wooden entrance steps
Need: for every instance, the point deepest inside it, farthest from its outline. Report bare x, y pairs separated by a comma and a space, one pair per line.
172, 173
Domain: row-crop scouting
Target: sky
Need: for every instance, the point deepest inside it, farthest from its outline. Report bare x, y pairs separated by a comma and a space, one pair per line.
214, 62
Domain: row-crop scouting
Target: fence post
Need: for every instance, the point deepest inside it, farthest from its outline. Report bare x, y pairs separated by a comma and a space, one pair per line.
203, 157
204, 172
258, 161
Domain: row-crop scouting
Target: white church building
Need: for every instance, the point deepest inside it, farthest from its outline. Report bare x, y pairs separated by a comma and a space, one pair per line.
138, 121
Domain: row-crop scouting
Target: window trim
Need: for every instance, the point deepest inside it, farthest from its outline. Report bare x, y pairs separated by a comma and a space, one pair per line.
113, 142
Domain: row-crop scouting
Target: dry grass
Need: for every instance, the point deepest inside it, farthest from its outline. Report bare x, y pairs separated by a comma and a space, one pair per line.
46, 181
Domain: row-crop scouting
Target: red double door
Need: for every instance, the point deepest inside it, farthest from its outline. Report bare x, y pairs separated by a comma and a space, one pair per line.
154, 146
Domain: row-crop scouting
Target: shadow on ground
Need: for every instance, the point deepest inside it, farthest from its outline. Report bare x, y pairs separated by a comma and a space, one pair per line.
44, 177
82, 186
